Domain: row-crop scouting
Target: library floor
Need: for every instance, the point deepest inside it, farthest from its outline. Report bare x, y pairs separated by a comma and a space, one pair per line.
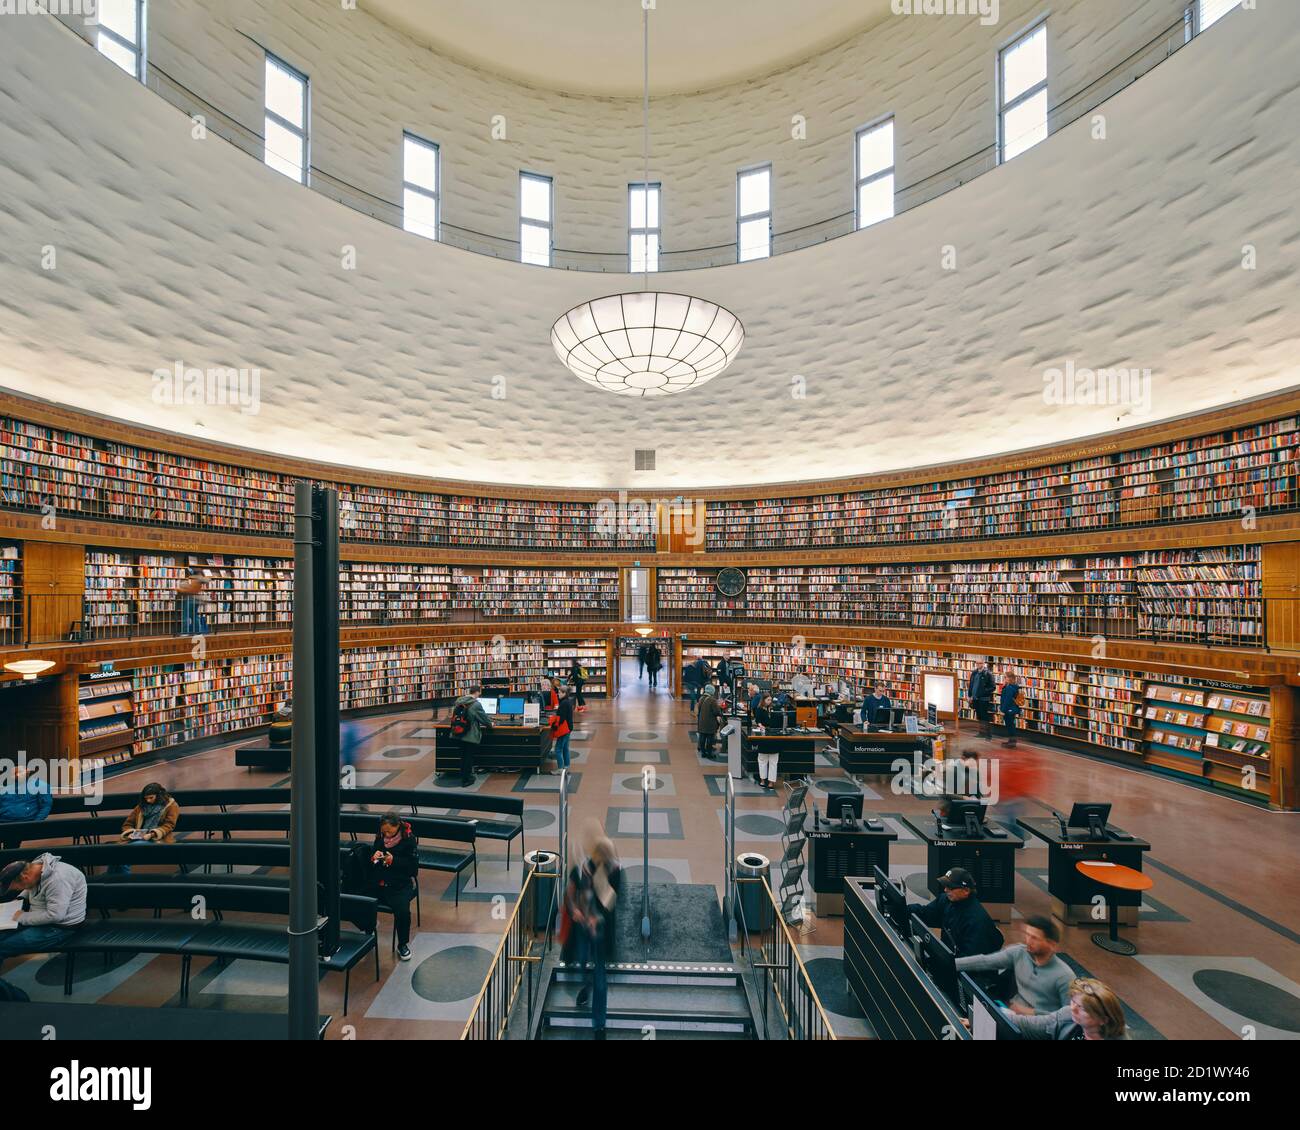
1219, 940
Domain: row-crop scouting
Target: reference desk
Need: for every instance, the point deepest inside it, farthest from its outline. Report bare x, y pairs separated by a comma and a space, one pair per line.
796, 751
866, 752
1072, 893
837, 852
990, 860
508, 749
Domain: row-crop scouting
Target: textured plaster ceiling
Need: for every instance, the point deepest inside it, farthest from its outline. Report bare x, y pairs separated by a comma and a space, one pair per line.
595, 46
437, 361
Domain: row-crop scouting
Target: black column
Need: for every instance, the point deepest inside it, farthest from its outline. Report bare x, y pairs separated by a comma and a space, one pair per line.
325, 612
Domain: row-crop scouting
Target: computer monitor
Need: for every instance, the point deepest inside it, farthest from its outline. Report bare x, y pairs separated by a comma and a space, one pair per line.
937, 959
967, 814
510, 706
891, 901
931, 714
896, 718
489, 705
836, 803
987, 1021
1090, 816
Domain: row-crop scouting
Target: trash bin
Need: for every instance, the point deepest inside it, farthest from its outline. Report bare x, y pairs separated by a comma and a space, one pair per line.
751, 899
545, 866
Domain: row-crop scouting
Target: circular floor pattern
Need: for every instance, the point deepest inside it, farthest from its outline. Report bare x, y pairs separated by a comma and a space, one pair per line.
1250, 997
402, 751
534, 819
834, 785
453, 974
827, 975
657, 875
758, 825
87, 969
634, 784
642, 736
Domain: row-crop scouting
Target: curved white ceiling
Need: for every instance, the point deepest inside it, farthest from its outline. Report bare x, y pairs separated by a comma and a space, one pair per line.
426, 359
594, 46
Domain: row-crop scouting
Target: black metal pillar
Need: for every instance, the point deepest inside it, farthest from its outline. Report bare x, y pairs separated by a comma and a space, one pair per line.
325, 611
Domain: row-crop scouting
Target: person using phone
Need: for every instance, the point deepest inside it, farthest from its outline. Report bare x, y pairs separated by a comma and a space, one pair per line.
394, 871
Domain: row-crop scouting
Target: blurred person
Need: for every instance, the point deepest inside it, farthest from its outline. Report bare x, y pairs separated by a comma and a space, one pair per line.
190, 591
591, 903
152, 821
966, 776
394, 871
27, 799
53, 895
1042, 979
1094, 1013
468, 722
694, 678
351, 739
957, 910
577, 679
654, 660
640, 660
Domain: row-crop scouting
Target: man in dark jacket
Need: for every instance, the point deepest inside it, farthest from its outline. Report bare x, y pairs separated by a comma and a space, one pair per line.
27, 798
476, 722
695, 678
876, 705
980, 692
967, 927
394, 871
709, 719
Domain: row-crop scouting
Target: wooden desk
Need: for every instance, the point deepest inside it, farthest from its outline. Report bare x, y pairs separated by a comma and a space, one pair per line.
507, 749
1114, 877
991, 860
796, 753
867, 752
836, 853
1071, 890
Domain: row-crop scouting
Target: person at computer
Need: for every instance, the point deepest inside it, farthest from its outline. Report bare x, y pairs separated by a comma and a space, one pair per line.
876, 706
1042, 979
961, 915
1094, 1012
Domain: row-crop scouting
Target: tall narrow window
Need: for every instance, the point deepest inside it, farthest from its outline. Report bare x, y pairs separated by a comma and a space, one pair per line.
754, 214
875, 173
643, 227
420, 196
1022, 85
120, 34
536, 219
286, 120
1212, 11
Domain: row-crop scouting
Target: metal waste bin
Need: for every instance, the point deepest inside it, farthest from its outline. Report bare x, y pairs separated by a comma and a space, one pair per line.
751, 899
545, 866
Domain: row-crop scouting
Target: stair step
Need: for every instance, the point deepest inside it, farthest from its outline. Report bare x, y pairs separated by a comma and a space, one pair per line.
562, 1032
671, 1007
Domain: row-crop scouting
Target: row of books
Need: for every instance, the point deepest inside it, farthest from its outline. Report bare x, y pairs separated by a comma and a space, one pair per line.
1208, 733
11, 594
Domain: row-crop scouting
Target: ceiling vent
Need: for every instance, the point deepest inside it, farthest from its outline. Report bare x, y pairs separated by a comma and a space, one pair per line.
645, 459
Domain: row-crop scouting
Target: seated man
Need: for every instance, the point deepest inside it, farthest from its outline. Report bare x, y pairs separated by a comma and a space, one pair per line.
967, 927
1042, 979
54, 904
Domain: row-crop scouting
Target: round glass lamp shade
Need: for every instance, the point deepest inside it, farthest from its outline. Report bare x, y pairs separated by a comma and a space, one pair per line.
648, 343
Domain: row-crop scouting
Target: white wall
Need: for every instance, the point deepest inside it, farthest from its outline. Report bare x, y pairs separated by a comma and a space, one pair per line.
369, 83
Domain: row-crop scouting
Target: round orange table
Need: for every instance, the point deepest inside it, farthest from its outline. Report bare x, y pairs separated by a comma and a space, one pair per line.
1118, 878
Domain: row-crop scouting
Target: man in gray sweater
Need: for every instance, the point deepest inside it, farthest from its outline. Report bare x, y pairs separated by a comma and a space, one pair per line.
1042, 978
53, 895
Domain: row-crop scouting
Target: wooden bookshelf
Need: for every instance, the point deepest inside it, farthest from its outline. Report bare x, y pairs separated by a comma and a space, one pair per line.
105, 718
535, 594
1207, 731
11, 593
558, 655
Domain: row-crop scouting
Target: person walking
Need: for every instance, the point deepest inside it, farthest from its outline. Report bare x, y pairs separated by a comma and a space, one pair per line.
640, 660
590, 905
468, 721
394, 871
577, 677
980, 692
1011, 702
709, 719
654, 660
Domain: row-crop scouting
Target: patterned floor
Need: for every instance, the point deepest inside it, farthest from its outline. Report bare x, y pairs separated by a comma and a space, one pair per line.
1219, 940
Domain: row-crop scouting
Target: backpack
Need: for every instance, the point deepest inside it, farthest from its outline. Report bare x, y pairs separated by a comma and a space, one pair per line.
582, 673
460, 720
1020, 699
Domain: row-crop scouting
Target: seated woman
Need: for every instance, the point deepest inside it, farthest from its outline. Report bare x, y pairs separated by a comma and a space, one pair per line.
152, 821
394, 870
1094, 1013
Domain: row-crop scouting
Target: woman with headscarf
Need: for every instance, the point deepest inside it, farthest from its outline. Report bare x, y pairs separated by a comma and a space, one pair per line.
590, 902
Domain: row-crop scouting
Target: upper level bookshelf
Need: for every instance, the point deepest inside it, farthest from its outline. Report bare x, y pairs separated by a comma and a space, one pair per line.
1239, 472
11, 593
1210, 596
74, 473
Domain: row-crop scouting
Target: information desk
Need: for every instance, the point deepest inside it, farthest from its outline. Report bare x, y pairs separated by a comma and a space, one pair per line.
263, 757
1072, 893
837, 853
990, 860
896, 995
865, 752
796, 753
507, 749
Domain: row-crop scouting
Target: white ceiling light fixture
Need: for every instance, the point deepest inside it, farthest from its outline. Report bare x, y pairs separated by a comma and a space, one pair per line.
647, 343
29, 669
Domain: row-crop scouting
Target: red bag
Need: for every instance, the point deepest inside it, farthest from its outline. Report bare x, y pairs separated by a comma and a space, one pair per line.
566, 924
559, 727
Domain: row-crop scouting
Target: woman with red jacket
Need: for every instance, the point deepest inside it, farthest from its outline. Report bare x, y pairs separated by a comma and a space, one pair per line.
561, 728
394, 871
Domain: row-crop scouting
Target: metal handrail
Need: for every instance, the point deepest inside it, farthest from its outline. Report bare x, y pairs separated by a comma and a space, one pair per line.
562, 864
645, 852
1069, 108
490, 1013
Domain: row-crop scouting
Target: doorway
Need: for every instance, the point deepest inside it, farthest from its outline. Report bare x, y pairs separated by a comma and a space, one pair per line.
633, 678
638, 596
